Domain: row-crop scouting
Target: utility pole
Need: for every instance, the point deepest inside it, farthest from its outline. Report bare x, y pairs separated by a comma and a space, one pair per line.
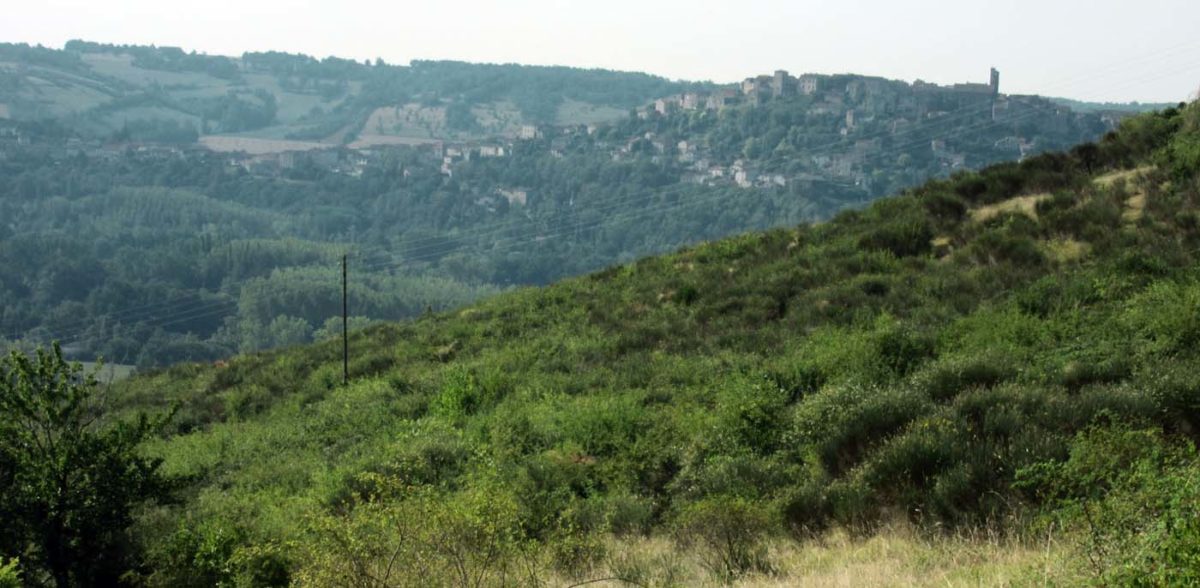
345, 329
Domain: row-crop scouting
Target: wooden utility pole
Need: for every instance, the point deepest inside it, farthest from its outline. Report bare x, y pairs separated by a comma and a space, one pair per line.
345, 329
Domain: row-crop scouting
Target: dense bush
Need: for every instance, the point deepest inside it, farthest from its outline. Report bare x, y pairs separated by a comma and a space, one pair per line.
729, 534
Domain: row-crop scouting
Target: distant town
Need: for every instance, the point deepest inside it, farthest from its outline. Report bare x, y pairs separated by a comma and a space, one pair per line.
859, 105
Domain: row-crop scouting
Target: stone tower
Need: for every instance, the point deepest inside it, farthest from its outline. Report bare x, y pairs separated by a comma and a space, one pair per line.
995, 82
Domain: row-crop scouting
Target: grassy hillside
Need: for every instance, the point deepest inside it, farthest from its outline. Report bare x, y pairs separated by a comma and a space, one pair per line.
1008, 354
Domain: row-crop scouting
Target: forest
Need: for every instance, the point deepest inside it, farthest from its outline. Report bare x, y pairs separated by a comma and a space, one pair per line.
1001, 362
147, 254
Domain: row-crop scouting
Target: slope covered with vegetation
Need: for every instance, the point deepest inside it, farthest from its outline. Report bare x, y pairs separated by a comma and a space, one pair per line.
166, 94
150, 254
1011, 351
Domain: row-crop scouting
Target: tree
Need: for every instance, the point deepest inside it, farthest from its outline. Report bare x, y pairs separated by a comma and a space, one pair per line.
69, 480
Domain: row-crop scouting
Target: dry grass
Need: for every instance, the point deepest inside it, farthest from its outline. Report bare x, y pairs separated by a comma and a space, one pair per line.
897, 556
1026, 205
1109, 179
1135, 205
1065, 250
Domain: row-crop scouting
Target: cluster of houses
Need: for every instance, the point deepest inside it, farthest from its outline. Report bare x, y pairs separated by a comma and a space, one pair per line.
833, 94
755, 90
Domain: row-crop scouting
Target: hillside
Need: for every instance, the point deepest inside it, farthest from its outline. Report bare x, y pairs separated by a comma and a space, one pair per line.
145, 245
1009, 353
298, 101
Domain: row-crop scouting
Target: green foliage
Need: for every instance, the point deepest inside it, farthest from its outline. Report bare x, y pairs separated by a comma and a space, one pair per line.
1130, 496
465, 540
729, 534
785, 381
69, 483
10, 573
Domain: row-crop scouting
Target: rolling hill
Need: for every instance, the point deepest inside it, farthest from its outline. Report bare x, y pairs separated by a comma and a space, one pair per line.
159, 206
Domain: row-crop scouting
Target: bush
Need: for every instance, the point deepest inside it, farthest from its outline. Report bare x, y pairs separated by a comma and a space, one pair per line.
728, 535
854, 504
902, 349
842, 423
1004, 245
196, 555
471, 538
903, 238
1129, 499
10, 573
70, 481
1077, 374
464, 392
1176, 393
751, 415
948, 377
806, 509
944, 206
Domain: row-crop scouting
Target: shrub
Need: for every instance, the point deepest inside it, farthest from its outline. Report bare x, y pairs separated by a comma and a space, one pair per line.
1002, 245
842, 423
903, 238
728, 535
547, 486
464, 539
465, 391
1166, 317
946, 378
10, 573
196, 555
806, 509
944, 206
1176, 392
1129, 499
1077, 374
575, 552
902, 349
70, 481
751, 415
747, 476
853, 504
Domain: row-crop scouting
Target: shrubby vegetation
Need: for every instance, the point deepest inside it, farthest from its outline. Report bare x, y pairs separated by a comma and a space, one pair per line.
69, 480
1028, 372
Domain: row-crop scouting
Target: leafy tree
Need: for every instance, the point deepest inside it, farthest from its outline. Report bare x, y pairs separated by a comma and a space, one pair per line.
68, 480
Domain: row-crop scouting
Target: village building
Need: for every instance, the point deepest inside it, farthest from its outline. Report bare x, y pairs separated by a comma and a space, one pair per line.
515, 196
808, 84
782, 84
529, 133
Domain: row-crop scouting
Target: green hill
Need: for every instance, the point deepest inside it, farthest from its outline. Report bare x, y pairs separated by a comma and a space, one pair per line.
159, 206
1008, 354
944, 356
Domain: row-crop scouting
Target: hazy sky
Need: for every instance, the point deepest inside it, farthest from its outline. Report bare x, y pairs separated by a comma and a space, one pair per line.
1147, 50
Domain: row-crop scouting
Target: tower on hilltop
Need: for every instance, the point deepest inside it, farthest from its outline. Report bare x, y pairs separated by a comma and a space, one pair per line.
995, 82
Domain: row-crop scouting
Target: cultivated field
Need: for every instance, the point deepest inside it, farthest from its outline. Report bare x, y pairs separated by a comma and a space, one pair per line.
256, 146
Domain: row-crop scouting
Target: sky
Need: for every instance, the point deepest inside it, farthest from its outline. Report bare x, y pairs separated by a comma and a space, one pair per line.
1101, 50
